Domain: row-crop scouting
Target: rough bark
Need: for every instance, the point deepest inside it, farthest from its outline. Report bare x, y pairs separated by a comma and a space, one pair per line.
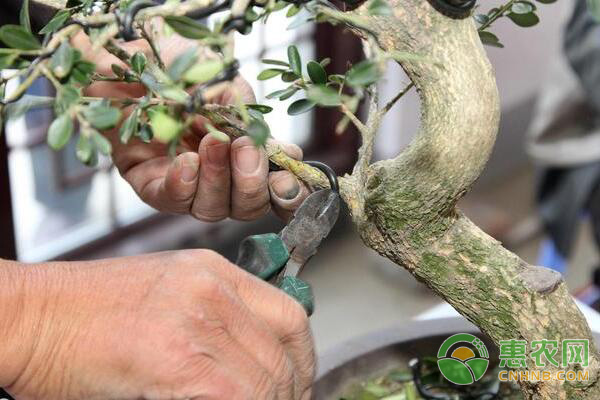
405, 208
408, 213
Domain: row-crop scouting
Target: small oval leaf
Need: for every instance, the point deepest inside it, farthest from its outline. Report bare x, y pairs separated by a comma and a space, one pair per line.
263, 109
324, 96
164, 127
295, 60
188, 27
316, 72
17, 37
269, 73
102, 117
138, 62
203, 71
300, 106
60, 132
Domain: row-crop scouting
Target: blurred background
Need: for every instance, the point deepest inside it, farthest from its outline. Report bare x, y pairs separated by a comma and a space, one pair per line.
63, 210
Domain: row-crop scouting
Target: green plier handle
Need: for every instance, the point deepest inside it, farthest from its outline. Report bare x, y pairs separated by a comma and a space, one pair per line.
265, 256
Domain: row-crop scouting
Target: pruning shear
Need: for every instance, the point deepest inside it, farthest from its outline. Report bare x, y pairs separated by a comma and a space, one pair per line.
279, 257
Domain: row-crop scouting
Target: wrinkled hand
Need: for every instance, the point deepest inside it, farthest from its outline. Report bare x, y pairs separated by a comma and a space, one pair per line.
174, 325
209, 179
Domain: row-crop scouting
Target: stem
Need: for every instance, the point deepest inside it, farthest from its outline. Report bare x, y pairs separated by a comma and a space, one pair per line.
499, 13
393, 101
152, 45
354, 119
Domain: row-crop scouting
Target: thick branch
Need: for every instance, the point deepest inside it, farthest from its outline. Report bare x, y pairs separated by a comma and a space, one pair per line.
409, 212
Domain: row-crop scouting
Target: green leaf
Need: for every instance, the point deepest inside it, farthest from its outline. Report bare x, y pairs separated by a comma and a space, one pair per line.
60, 132
56, 22
164, 127
117, 70
524, 20
522, 7
102, 117
259, 132
138, 62
102, 144
166, 90
24, 19
295, 60
62, 60
82, 72
84, 150
203, 71
300, 106
66, 96
269, 73
316, 72
283, 94
27, 102
217, 134
481, 18
263, 109
182, 63
379, 7
324, 96
146, 133
17, 37
7, 60
488, 38
275, 62
364, 73
336, 78
130, 126
289, 76
293, 10
251, 15
188, 27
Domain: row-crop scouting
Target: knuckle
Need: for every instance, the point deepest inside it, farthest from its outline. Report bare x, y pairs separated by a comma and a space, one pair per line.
194, 256
205, 215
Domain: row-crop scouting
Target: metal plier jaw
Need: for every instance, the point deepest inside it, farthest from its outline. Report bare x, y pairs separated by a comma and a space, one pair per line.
279, 258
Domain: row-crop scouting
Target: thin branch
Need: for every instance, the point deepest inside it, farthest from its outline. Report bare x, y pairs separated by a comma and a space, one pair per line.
152, 45
393, 101
499, 13
365, 153
362, 128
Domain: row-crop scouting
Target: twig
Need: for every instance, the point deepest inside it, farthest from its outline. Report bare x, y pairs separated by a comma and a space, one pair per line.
499, 12
393, 101
354, 119
152, 45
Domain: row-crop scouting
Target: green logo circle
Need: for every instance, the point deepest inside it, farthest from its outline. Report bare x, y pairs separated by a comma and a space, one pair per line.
463, 359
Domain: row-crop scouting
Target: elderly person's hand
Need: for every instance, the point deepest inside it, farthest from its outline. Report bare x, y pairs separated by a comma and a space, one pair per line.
166, 326
208, 179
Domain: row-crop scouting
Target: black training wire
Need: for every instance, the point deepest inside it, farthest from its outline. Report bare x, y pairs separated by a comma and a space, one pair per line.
329, 173
457, 9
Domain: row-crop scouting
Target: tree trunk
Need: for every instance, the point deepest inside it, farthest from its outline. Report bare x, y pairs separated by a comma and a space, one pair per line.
405, 208
407, 213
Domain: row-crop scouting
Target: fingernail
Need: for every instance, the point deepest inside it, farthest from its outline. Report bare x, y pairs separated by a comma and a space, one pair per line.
286, 187
247, 159
218, 154
189, 168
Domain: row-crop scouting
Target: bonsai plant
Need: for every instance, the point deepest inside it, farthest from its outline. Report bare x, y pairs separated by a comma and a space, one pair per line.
404, 208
